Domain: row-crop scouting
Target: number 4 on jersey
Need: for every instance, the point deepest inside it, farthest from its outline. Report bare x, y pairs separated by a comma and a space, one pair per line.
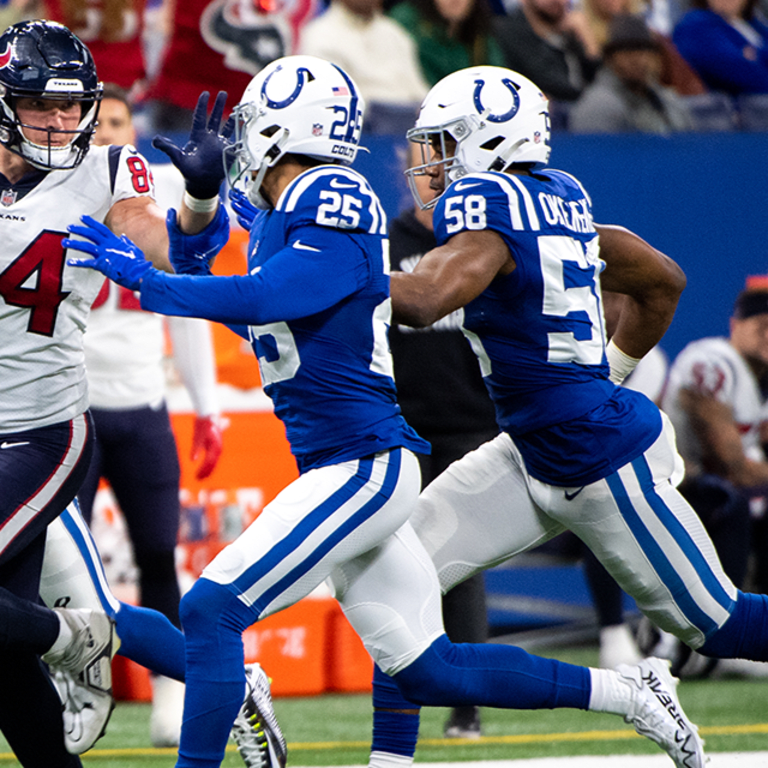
33, 281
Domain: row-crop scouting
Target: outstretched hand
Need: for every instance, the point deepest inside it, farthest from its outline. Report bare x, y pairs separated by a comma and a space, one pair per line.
244, 209
201, 159
116, 257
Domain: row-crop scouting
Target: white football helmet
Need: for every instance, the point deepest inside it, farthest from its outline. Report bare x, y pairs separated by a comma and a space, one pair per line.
300, 105
496, 117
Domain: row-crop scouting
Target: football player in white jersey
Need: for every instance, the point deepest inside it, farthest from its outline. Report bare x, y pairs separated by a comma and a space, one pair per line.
315, 306
135, 449
49, 176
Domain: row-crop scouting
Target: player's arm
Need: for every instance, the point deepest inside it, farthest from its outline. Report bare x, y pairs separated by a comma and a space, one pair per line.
200, 163
448, 277
142, 221
651, 282
718, 434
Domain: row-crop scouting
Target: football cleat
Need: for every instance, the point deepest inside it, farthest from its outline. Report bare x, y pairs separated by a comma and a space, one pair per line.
256, 732
82, 673
656, 713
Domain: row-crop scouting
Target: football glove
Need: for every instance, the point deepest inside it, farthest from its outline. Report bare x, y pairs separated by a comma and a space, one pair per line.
116, 257
246, 211
207, 439
194, 254
201, 159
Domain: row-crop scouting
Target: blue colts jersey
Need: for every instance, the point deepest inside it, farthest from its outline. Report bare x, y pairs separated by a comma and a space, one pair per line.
539, 332
326, 366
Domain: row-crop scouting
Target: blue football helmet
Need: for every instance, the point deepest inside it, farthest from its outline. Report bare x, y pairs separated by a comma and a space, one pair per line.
44, 59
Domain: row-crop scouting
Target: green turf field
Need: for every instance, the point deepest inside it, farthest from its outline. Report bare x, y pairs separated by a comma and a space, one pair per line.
335, 729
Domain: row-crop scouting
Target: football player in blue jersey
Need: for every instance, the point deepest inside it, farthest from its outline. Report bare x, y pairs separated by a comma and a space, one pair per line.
315, 306
518, 250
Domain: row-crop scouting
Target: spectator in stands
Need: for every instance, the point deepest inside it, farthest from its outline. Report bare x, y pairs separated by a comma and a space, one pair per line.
218, 45
112, 30
443, 397
675, 71
550, 43
450, 34
726, 42
376, 51
626, 95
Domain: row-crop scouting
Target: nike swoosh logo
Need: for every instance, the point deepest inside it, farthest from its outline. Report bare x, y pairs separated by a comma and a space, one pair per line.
462, 185
12, 445
336, 184
571, 496
298, 244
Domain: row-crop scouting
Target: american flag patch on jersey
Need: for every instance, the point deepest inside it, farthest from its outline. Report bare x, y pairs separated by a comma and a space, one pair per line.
340, 91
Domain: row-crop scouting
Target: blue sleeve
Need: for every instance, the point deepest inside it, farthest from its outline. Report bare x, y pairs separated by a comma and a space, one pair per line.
193, 254
318, 270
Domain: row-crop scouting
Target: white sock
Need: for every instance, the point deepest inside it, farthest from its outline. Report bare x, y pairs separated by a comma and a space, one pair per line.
389, 760
609, 692
64, 638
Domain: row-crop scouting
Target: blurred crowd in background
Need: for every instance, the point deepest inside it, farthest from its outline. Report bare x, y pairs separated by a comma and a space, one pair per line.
650, 66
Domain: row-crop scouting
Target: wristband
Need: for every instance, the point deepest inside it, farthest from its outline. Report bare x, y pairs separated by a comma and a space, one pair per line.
196, 205
621, 363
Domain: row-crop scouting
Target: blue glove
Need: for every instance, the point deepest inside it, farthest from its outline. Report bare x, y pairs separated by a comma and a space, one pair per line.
201, 161
116, 257
193, 254
244, 208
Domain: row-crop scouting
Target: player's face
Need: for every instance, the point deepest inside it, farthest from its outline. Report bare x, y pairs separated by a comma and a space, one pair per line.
47, 121
115, 125
440, 151
750, 337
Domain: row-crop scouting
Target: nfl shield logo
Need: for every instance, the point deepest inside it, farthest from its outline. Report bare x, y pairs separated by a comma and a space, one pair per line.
317, 129
8, 197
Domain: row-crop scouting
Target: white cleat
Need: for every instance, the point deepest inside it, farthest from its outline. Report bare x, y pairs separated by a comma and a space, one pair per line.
656, 712
256, 732
82, 673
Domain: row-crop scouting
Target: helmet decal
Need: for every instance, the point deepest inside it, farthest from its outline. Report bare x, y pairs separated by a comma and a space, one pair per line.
302, 73
510, 113
352, 124
5, 56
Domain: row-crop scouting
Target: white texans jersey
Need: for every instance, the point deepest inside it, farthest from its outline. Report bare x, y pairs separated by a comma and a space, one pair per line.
44, 303
125, 345
124, 349
713, 367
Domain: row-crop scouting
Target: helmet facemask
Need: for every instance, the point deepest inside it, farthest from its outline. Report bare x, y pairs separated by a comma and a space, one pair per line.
445, 141
50, 156
246, 162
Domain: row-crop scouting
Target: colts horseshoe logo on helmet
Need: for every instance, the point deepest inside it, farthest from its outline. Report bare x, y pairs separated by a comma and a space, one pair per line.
508, 115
